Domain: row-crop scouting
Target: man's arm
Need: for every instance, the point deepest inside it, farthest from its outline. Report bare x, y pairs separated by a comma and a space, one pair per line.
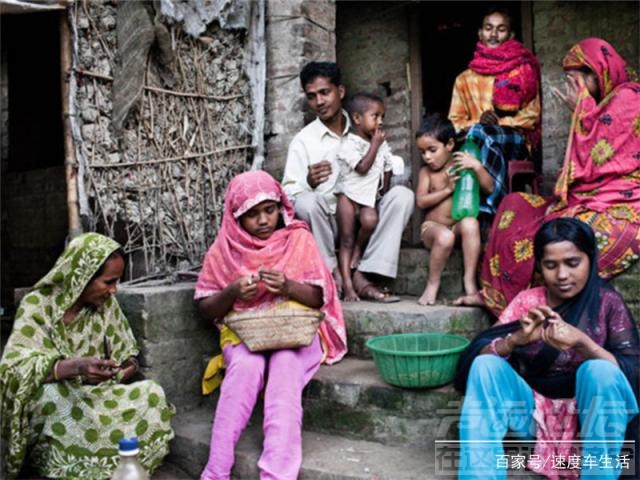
294, 180
526, 118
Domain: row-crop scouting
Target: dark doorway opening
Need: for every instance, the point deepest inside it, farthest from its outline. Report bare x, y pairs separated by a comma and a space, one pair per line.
448, 36
34, 212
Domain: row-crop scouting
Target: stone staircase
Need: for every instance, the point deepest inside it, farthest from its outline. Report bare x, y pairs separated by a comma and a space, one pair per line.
355, 425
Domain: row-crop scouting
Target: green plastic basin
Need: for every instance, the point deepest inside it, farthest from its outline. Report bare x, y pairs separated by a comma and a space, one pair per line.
417, 360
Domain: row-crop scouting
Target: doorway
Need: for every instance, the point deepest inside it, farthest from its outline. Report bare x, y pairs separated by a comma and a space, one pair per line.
443, 36
448, 36
34, 212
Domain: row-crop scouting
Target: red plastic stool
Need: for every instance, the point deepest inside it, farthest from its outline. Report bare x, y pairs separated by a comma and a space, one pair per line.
523, 168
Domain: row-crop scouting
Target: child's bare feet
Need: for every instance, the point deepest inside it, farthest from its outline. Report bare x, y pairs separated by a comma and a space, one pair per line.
355, 258
350, 295
337, 277
429, 295
469, 300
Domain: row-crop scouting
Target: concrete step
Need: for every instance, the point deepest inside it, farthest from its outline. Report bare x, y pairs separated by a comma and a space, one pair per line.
365, 320
325, 457
413, 265
628, 284
169, 471
351, 399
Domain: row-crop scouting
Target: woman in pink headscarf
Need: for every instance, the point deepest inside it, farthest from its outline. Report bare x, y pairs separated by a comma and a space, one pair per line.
261, 259
599, 182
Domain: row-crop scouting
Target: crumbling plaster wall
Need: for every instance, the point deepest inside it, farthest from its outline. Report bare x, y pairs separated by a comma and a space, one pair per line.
159, 187
556, 27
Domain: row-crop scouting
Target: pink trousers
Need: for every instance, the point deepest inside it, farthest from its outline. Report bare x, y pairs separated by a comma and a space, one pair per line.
288, 373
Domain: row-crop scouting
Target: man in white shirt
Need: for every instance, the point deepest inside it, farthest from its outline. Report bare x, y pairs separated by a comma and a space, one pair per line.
310, 178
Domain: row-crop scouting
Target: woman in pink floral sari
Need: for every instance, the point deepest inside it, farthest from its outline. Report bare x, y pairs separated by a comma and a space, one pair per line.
599, 183
263, 259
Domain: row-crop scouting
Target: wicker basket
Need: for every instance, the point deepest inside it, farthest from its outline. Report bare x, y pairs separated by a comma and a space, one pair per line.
275, 329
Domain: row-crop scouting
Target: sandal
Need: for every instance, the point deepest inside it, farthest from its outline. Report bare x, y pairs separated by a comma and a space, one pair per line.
374, 294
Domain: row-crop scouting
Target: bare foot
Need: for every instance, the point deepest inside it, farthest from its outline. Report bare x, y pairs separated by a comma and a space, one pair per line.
429, 295
355, 258
470, 300
339, 284
350, 295
426, 301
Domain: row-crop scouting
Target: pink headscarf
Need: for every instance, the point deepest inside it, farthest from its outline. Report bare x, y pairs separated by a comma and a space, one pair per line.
601, 170
601, 58
291, 249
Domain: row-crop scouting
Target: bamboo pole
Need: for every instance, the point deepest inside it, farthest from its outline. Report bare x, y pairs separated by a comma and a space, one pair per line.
172, 159
108, 78
70, 166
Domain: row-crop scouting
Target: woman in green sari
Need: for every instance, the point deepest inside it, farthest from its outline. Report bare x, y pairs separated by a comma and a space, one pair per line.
64, 406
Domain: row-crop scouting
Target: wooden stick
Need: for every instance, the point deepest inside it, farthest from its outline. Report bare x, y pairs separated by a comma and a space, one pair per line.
171, 159
109, 78
97, 33
70, 165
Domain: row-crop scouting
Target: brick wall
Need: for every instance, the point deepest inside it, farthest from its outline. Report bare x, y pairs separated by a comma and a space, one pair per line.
372, 47
297, 32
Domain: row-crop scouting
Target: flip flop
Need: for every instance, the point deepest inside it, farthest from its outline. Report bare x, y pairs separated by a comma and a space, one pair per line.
374, 294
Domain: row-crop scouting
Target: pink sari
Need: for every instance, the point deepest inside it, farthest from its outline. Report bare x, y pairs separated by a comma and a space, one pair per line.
291, 249
599, 183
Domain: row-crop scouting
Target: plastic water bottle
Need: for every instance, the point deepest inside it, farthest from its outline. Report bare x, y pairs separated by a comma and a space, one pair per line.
129, 467
466, 195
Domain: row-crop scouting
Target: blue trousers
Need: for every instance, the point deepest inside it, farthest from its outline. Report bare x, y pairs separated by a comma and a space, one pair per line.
498, 400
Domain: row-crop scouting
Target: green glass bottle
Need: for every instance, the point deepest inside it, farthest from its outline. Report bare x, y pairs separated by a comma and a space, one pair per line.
466, 195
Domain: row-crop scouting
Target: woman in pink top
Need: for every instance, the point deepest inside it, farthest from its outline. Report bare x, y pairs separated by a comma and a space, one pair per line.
561, 365
261, 259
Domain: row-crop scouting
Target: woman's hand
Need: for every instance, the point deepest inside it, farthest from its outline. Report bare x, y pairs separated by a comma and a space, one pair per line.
245, 287
129, 368
92, 370
561, 335
572, 86
532, 325
275, 281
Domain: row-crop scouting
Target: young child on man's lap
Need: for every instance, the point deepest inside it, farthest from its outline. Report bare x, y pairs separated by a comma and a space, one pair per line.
365, 172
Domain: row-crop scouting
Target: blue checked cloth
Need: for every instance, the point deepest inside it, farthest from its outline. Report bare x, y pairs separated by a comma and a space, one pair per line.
498, 145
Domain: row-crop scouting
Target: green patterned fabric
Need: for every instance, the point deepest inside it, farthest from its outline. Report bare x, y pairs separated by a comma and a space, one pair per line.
66, 429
